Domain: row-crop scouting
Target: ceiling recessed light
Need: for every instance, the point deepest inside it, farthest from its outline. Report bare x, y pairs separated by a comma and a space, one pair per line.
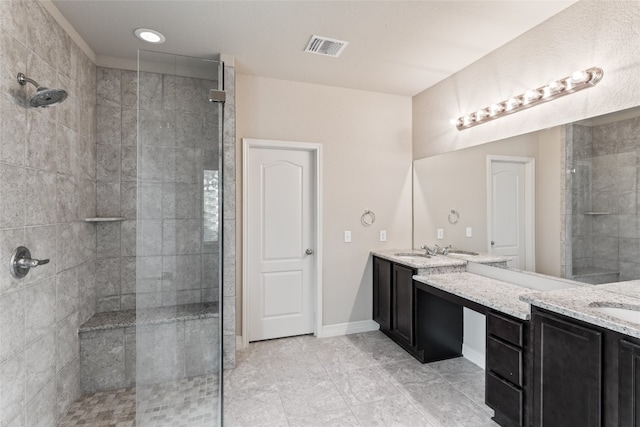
148, 35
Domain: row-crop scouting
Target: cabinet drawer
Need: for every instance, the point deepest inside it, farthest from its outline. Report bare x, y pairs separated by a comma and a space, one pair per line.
504, 398
505, 360
510, 330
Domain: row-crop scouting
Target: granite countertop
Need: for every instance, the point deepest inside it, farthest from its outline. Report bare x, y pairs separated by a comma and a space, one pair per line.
481, 258
149, 316
418, 262
578, 303
500, 296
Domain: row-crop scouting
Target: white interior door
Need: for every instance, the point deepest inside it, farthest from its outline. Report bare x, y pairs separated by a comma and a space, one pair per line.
510, 204
280, 242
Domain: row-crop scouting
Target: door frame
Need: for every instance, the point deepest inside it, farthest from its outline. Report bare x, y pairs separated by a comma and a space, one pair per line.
316, 150
529, 205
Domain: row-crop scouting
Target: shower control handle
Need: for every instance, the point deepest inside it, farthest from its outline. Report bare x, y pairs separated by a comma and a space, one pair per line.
21, 262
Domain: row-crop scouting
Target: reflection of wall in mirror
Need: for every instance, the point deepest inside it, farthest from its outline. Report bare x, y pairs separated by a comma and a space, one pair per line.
458, 180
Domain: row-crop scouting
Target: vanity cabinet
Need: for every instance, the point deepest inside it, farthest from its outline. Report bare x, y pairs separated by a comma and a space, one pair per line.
629, 384
568, 369
584, 375
402, 305
382, 293
507, 368
393, 302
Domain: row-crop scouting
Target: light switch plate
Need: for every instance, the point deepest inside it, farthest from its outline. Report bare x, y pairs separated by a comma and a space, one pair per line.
440, 233
347, 236
469, 232
383, 235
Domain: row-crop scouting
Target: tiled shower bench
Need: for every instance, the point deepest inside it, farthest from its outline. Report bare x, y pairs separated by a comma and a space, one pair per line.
121, 349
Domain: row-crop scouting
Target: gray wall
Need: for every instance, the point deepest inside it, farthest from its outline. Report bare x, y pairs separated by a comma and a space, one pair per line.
47, 176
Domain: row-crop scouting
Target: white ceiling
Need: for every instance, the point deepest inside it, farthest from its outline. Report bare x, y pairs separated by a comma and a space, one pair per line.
397, 47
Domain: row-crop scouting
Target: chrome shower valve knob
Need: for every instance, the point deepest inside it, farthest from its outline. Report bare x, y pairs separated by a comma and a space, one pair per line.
21, 262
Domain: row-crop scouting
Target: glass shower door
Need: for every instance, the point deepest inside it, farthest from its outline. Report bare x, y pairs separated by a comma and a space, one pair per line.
178, 242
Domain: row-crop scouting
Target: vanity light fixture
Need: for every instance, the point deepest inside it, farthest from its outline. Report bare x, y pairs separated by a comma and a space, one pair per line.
555, 89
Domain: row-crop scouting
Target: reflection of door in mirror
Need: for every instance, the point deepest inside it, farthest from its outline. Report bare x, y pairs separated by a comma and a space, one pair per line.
510, 203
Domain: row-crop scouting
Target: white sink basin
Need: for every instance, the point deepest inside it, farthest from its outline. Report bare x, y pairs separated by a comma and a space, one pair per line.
631, 314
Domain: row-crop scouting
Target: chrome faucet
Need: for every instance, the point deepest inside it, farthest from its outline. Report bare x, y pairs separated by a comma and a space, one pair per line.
430, 251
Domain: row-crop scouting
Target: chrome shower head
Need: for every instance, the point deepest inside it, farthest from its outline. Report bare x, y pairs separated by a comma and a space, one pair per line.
44, 97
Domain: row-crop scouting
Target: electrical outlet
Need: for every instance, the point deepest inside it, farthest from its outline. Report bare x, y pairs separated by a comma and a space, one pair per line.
347, 236
440, 233
383, 235
469, 232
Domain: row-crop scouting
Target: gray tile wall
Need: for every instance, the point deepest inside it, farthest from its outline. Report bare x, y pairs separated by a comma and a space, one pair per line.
178, 139
607, 160
47, 176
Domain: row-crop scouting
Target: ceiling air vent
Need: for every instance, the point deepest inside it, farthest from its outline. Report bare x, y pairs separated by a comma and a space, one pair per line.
326, 46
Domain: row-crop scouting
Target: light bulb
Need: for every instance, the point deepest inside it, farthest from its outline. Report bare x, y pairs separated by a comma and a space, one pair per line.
496, 109
579, 76
531, 95
513, 103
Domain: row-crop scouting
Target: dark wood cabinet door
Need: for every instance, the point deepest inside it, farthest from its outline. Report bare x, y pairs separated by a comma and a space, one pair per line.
629, 384
402, 308
567, 373
382, 293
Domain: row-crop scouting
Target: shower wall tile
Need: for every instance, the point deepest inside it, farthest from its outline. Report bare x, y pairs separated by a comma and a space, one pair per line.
128, 200
41, 141
12, 208
108, 238
40, 364
13, 122
108, 88
151, 200
67, 293
128, 275
128, 232
108, 204
129, 166
67, 191
12, 378
67, 344
111, 303
42, 243
129, 131
13, 19
181, 272
40, 298
108, 277
102, 361
9, 241
67, 386
150, 91
181, 236
11, 324
108, 127
181, 201
53, 153
108, 163
129, 85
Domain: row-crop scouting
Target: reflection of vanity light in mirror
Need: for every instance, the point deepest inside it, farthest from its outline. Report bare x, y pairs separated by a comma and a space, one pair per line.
555, 89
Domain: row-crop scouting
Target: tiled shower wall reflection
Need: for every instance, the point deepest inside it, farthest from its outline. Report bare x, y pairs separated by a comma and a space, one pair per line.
47, 188
178, 142
605, 232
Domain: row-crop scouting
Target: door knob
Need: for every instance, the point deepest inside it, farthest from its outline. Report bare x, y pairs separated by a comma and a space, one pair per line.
309, 251
493, 243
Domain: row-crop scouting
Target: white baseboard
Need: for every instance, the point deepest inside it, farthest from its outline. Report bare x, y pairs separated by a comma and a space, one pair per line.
473, 355
349, 328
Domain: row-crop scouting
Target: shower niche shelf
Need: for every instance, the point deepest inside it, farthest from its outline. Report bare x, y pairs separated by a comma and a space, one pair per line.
596, 213
104, 219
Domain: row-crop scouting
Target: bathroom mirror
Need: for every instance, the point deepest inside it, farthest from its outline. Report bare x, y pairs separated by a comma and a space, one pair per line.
585, 197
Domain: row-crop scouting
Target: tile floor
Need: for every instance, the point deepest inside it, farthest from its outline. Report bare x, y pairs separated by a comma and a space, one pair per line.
354, 380
191, 402
360, 380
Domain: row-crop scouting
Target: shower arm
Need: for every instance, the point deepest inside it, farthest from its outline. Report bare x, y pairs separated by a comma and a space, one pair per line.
22, 79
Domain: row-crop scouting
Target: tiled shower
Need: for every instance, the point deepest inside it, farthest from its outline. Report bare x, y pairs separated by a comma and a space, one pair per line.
603, 177
62, 165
